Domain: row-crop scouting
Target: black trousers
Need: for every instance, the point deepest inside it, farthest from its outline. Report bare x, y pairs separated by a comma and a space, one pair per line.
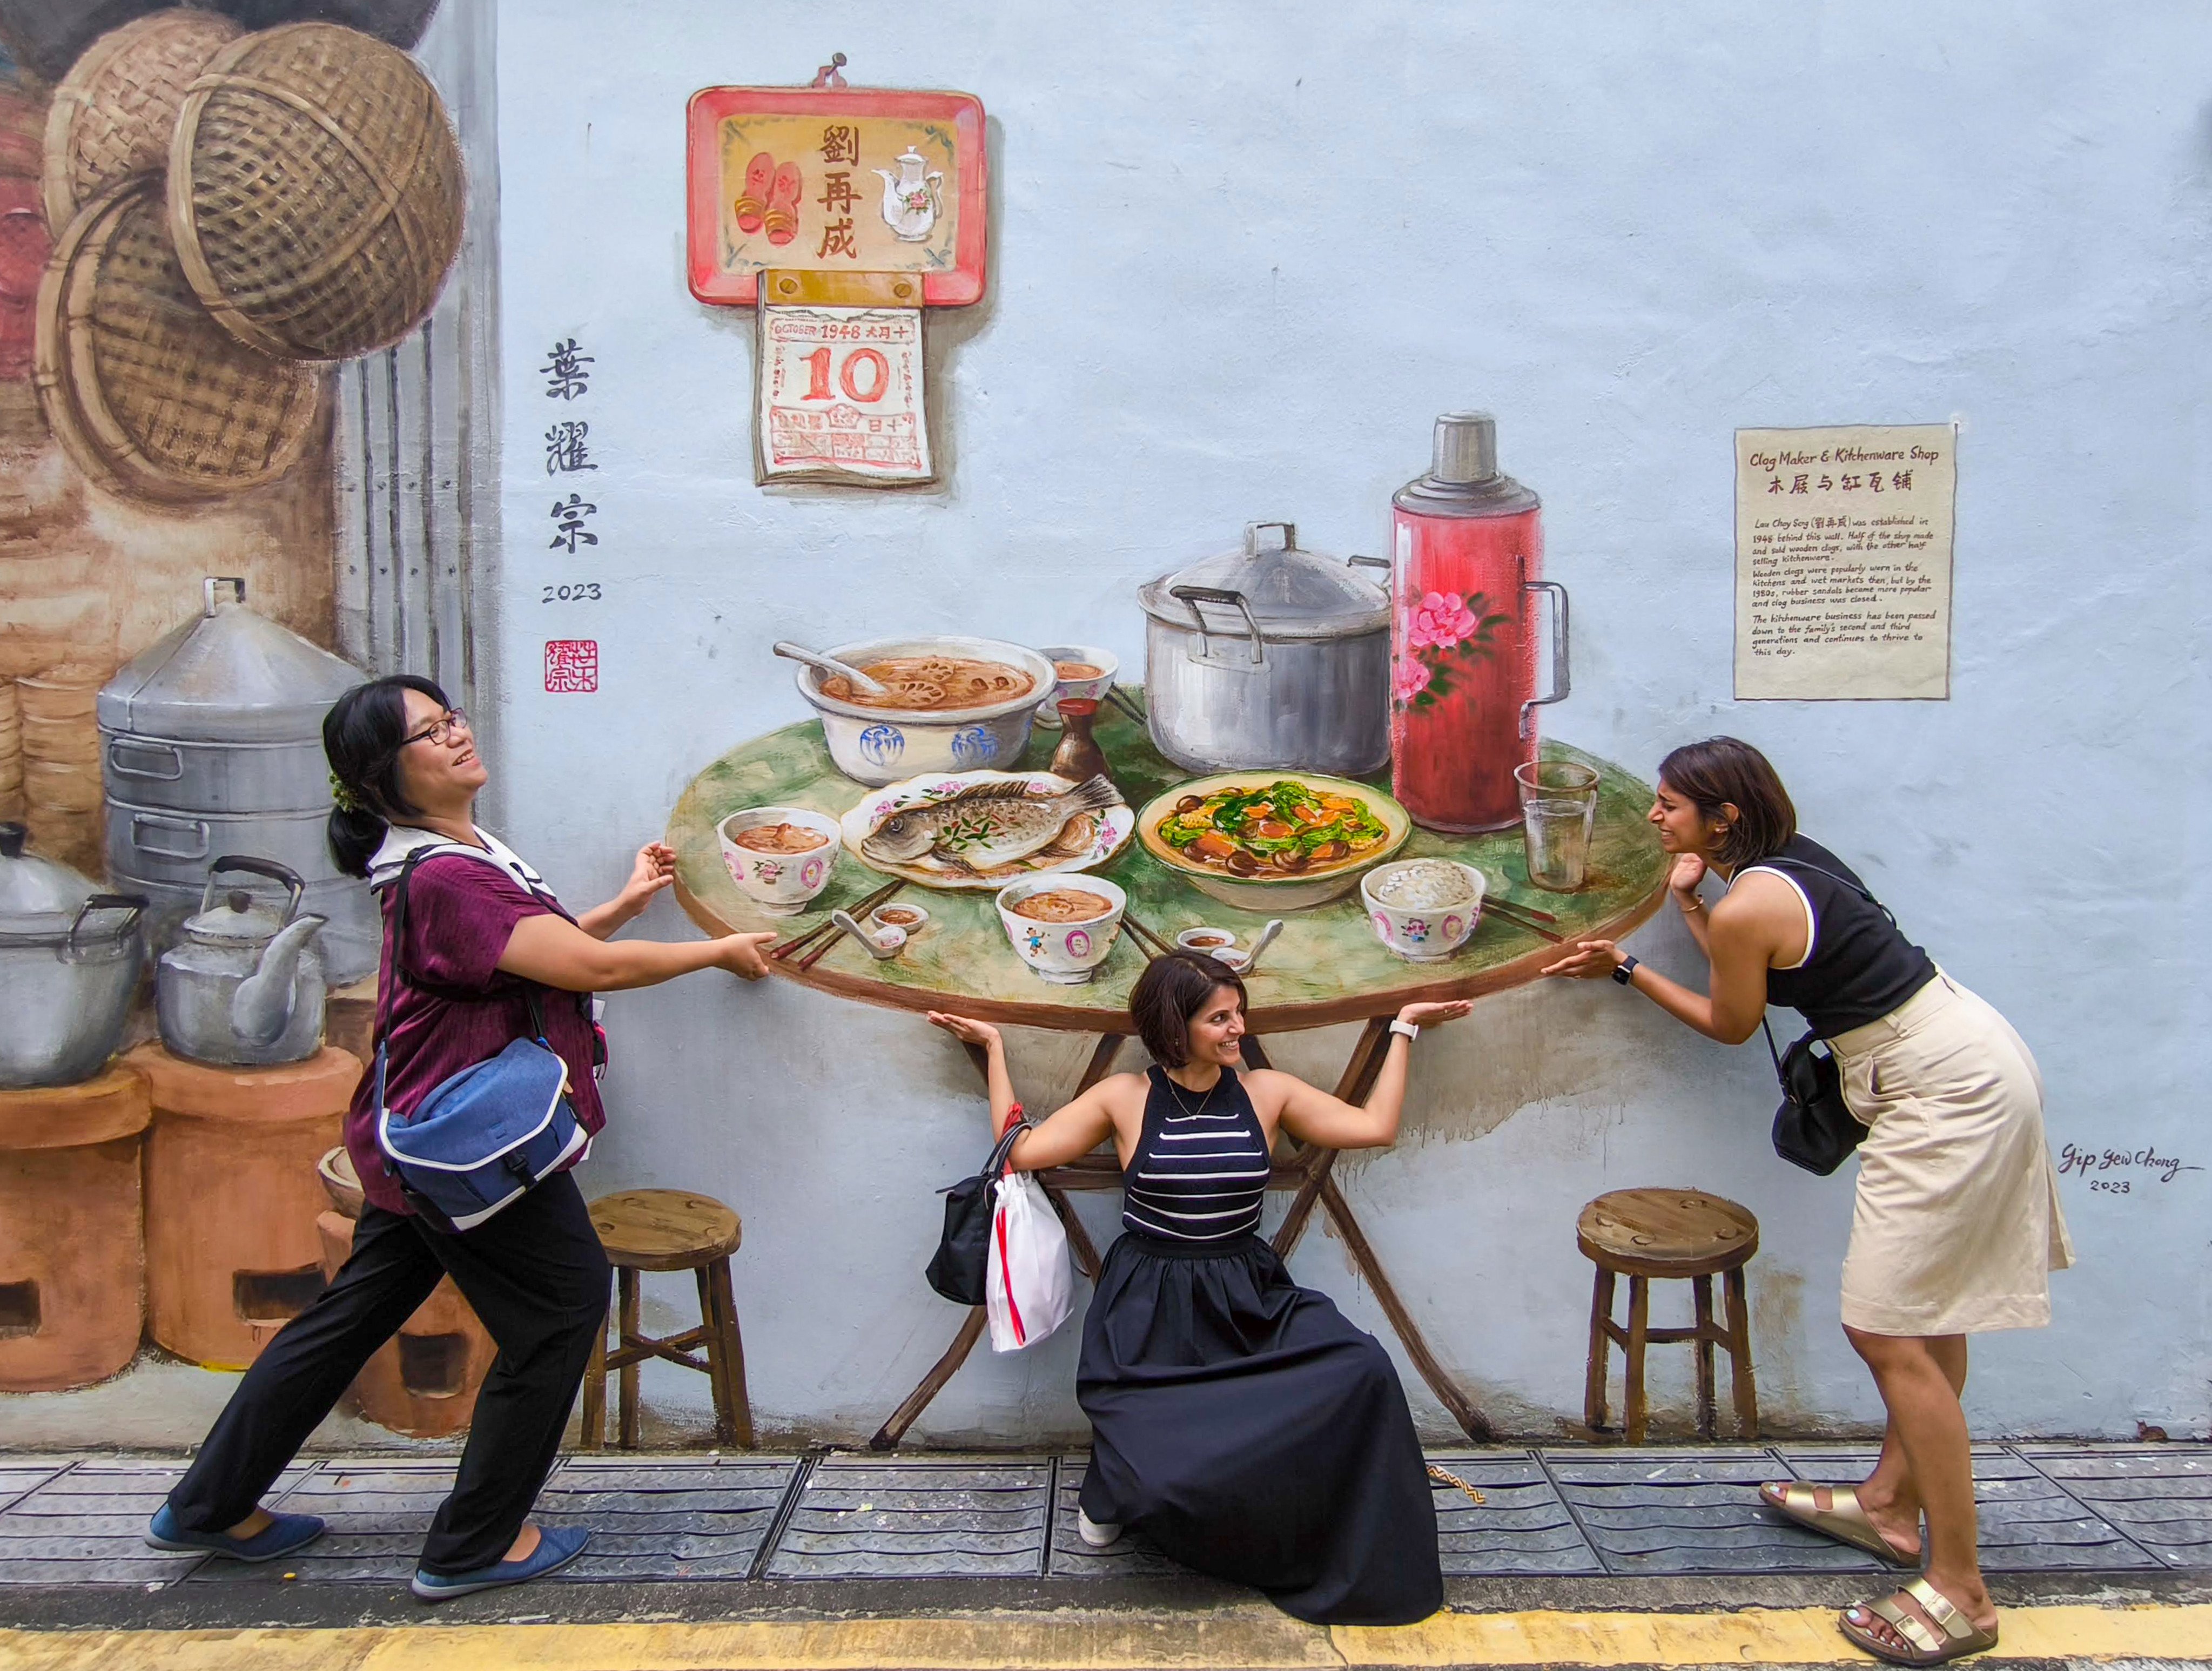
536, 1277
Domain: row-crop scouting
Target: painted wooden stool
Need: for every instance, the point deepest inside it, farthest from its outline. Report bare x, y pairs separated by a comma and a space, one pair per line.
669, 1230
1668, 1234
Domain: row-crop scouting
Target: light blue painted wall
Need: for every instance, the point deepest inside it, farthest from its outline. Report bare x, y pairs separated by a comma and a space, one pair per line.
1241, 256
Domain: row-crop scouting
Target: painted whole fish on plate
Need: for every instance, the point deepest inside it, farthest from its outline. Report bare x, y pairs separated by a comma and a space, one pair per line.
977, 830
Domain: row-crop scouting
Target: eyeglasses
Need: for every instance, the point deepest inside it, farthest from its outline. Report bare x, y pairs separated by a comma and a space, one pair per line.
439, 731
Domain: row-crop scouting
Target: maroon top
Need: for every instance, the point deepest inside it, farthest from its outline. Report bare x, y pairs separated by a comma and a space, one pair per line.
460, 913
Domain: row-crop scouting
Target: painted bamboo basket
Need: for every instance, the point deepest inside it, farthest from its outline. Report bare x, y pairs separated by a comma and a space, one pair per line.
113, 114
147, 393
316, 192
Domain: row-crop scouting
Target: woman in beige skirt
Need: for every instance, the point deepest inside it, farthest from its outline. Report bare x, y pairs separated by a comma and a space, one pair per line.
1956, 1226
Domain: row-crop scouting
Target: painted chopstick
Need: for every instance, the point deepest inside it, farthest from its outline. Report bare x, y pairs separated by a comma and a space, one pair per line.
837, 933
1115, 696
1510, 914
859, 907
1525, 910
1156, 946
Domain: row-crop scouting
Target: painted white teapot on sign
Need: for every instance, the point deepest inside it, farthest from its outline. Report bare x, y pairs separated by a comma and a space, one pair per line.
911, 204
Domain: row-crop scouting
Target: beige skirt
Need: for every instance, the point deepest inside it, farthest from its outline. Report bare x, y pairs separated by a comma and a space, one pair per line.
1957, 1225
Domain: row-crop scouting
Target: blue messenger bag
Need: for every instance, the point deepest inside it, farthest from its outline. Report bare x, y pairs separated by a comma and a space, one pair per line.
488, 1135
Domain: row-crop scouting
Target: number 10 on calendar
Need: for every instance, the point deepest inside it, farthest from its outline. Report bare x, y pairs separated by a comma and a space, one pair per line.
841, 395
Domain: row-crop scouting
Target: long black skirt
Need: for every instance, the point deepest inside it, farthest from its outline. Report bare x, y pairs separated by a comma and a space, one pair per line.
1251, 1432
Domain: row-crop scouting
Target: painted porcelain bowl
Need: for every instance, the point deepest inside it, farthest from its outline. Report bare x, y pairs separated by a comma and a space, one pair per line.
1092, 688
880, 745
1066, 953
1422, 933
779, 882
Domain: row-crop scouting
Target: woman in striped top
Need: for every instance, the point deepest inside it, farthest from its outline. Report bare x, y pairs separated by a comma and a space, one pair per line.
1239, 1420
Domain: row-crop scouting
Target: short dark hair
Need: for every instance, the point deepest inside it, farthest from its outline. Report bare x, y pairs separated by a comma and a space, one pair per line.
1171, 990
361, 736
1726, 770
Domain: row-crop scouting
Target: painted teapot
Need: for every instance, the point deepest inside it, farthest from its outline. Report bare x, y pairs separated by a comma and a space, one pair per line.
911, 204
243, 987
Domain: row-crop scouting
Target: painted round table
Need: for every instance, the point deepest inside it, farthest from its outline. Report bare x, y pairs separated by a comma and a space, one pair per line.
1327, 967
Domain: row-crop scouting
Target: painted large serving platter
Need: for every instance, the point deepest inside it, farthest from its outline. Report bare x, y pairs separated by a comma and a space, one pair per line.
1262, 892
1078, 850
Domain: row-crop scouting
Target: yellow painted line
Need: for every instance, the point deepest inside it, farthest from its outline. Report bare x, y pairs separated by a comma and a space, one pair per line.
1071, 1640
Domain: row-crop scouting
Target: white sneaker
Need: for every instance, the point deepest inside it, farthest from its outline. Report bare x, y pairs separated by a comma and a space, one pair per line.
1097, 1536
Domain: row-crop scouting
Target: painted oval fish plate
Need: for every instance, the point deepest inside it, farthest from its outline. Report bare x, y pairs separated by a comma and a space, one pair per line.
984, 829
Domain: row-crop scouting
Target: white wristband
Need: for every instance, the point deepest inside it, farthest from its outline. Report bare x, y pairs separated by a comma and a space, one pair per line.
1398, 1025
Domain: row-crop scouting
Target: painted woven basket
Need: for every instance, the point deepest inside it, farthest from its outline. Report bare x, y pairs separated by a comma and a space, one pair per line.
148, 394
113, 114
316, 192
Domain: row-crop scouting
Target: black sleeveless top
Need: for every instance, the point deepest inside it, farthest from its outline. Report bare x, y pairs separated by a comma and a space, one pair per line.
1200, 1170
1861, 967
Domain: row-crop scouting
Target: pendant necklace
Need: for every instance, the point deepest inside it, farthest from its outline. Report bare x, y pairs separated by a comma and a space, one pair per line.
1176, 1091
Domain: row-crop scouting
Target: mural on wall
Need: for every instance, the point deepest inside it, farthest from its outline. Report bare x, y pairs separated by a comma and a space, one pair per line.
204, 215
1330, 774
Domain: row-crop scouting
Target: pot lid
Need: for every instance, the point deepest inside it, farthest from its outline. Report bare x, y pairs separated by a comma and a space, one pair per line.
235, 920
37, 895
228, 676
1291, 593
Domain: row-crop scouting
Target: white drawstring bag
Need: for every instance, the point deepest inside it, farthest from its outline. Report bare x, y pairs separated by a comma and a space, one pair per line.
1028, 1291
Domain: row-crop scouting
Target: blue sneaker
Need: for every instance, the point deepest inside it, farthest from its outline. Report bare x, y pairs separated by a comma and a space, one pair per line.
284, 1535
557, 1546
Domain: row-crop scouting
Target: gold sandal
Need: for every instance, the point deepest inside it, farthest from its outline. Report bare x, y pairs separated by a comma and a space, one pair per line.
1843, 1520
1959, 1638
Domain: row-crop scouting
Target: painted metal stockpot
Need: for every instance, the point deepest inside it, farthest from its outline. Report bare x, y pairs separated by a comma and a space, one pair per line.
1269, 656
212, 744
70, 958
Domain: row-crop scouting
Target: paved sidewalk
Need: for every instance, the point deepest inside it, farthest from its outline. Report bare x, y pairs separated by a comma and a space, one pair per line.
1584, 1554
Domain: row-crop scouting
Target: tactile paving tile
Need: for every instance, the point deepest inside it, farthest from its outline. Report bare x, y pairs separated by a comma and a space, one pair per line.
1071, 1557
1662, 1511
2028, 1522
2159, 1495
886, 1518
379, 1511
86, 1523
19, 1479
673, 1518
1521, 1526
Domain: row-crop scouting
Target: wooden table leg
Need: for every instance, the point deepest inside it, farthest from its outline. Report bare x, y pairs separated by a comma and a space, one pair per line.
889, 1435
1079, 1247
1472, 1421
1601, 1348
628, 1330
1635, 1413
1740, 1378
1702, 1287
592, 1426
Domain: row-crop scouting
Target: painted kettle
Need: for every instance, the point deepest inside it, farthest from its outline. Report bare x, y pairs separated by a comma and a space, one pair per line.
243, 987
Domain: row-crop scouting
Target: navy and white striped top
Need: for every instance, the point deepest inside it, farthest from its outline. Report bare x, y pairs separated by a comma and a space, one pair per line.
1200, 1170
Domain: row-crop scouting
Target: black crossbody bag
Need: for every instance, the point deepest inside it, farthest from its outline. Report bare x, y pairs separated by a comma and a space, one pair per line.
960, 1268
1815, 1128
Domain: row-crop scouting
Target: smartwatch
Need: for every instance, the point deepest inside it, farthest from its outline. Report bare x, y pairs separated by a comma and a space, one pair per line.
1407, 1028
1625, 972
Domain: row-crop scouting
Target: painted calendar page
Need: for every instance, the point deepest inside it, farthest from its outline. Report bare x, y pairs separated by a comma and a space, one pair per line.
835, 180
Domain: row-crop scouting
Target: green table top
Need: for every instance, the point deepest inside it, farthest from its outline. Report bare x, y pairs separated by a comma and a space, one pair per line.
1327, 966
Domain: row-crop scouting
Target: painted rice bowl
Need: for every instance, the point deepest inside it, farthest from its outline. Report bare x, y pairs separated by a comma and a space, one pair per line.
1060, 945
1423, 909
765, 851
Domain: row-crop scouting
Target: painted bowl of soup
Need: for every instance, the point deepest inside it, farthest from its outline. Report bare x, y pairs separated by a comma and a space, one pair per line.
1063, 927
949, 705
779, 856
1083, 672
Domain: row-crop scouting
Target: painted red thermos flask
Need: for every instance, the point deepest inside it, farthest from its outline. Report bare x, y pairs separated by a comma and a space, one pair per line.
1466, 625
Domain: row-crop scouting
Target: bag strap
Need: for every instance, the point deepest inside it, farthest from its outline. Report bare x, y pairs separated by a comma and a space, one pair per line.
1770, 1050
995, 1167
397, 935
1858, 888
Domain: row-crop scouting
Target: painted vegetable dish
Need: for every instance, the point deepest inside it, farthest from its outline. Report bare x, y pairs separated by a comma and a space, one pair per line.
1286, 828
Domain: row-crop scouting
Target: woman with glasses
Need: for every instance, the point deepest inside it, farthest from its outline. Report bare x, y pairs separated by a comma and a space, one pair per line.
483, 936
